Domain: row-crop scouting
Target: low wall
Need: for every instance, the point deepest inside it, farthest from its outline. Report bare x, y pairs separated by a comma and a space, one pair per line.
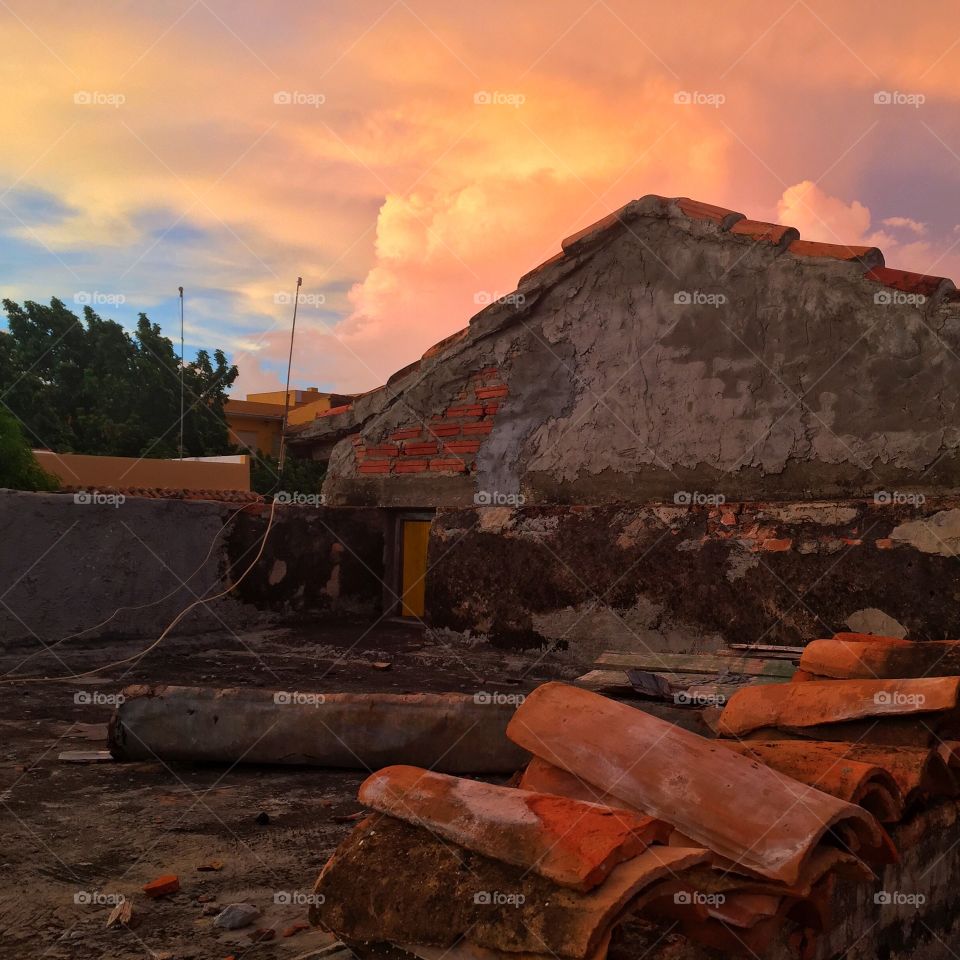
688, 579
212, 473
68, 566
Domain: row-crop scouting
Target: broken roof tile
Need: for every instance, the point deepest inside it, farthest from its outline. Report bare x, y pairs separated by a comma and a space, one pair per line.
904, 280
870, 257
572, 843
798, 705
601, 741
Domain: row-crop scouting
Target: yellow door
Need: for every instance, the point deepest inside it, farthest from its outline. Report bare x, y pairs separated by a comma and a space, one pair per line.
415, 536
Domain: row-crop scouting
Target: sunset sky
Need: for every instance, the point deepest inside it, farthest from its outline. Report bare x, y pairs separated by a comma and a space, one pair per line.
232, 146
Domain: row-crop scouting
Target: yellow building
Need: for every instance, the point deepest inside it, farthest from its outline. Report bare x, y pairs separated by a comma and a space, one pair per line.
257, 422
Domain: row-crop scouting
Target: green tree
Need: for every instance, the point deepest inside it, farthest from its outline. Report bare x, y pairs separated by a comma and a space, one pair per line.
19, 469
87, 386
299, 475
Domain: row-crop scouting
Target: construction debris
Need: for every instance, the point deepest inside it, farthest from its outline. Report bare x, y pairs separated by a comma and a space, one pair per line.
236, 915
162, 887
451, 732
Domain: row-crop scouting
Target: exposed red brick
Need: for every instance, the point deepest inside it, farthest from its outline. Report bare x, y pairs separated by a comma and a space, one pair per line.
490, 372
774, 233
357, 439
448, 465
906, 281
491, 408
776, 545
473, 410
162, 886
408, 434
333, 411
419, 448
482, 426
384, 450
490, 393
884, 543
444, 429
461, 446
375, 466
728, 518
410, 466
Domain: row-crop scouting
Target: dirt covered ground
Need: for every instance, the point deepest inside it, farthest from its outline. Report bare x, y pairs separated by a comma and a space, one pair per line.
74, 838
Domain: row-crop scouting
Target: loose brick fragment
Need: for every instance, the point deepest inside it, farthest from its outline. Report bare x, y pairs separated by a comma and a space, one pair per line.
163, 886
776, 545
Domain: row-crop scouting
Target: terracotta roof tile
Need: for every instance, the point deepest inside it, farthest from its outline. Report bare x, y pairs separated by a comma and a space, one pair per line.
800, 705
572, 843
600, 740
908, 282
870, 257
887, 658
334, 411
696, 210
774, 233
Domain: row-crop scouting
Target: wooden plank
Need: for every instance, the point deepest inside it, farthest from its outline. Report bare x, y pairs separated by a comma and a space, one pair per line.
695, 663
765, 650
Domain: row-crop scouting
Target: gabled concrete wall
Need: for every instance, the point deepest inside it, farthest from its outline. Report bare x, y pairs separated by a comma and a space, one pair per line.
677, 348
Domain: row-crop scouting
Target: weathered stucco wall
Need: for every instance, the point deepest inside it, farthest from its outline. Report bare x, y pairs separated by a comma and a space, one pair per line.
66, 566
692, 578
675, 350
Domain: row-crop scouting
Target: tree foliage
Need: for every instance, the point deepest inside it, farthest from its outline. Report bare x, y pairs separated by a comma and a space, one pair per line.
87, 386
299, 475
19, 469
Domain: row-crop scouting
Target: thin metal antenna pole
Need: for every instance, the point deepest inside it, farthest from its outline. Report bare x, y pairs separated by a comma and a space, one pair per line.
181, 371
286, 392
